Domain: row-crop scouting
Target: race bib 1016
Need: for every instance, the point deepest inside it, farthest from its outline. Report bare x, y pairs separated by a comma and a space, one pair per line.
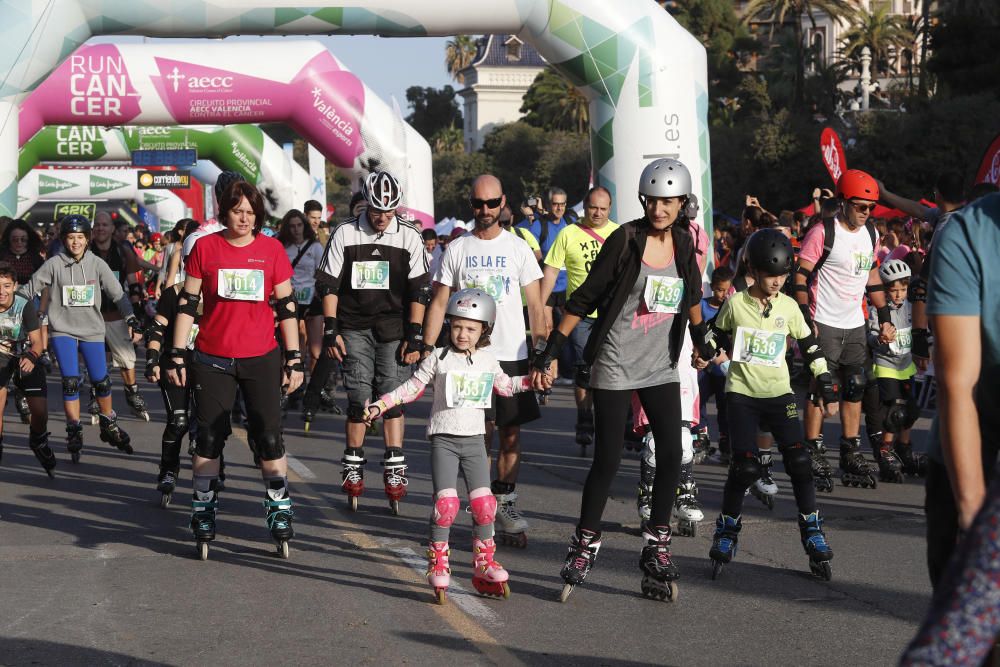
370, 275
759, 347
78, 295
903, 342
241, 284
468, 390
663, 294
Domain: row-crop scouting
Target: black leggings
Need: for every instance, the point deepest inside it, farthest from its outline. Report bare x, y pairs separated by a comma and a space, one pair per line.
662, 404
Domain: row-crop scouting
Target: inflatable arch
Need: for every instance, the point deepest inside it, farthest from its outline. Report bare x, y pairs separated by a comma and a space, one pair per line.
645, 76
298, 82
97, 185
283, 182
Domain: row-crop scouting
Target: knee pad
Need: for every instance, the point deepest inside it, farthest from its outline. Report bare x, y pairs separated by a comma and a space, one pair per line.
446, 507
745, 469
583, 377
853, 383
901, 414
71, 386
269, 446
209, 445
687, 446
484, 509
394, 412
103, 387
176, 426
355, 413
798, 463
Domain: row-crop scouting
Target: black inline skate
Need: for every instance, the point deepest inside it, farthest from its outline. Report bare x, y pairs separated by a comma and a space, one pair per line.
39, 443
724, 542
822, 472
814, 542
659, 572
136, 402
855, 470
74, 440
583, 548
204, 506
114, 435
890, 469
686, 505
913, 464
278, 517
703, 449
166, 482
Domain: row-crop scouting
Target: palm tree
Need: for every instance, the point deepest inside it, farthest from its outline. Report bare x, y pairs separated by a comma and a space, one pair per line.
782, 12
553, 103
459, 54
448, 140
885, 35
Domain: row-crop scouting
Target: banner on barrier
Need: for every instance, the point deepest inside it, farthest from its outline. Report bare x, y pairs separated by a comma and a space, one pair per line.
159, 180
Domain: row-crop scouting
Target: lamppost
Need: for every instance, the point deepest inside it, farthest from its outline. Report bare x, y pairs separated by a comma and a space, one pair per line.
866, 77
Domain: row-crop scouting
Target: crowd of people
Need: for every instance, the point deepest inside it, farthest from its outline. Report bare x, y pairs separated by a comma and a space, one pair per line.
242, 320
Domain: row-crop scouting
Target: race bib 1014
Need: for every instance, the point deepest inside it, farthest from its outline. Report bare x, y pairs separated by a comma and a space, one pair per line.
370, 275
241, 284
468, 390
663, 294
759, 347
78, 295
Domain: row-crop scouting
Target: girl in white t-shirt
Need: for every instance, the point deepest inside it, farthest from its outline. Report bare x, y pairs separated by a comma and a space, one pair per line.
464, 377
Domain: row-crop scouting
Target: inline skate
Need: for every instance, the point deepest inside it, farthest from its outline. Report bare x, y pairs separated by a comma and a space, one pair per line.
353, 474
394, 477
74, 440
659, 571
278, 517
913, 464
39, 443
686, 505
136, 402
489, 578
510, 525
583, 548
822, 472
438, 572
855, 470
814, 542
724, 542
166, 483
114, 435
890, 468
204, 505
21, 401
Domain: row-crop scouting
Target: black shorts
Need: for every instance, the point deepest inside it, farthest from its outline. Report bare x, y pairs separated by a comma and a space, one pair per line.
33, 384
517, 409
312, 309
557, 300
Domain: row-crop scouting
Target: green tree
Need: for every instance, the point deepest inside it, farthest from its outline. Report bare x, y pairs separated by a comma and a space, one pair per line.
885, 35
448, 140
459, 53
792, 13
432, 109
553, 103
453, 176
963, 47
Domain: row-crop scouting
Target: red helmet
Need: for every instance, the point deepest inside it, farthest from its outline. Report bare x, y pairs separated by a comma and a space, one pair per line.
857, 184
157, 236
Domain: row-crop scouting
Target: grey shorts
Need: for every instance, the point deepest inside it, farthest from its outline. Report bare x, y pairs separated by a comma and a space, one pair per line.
370, 367
120, 343
844, 347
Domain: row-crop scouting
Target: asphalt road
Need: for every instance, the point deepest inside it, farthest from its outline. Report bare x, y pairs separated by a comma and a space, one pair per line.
93, 572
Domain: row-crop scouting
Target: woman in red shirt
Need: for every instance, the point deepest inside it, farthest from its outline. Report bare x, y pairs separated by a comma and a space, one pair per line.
233, 274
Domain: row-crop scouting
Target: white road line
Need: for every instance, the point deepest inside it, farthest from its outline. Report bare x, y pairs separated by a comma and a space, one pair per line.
300, 468
462, 599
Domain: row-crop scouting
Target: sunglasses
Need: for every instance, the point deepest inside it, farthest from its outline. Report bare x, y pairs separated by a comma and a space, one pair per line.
863, 208
487, 203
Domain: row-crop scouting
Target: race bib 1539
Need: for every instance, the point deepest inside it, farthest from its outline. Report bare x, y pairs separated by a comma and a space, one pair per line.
759, 347
370, 275
663, 294
241, 284
468, 390
78, 295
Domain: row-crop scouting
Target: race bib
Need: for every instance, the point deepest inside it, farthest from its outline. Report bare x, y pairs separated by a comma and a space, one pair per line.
370, 275
304, 295
862, 263
903, 342
759, 347
78, 295
468, 390
191, 336
241, 284
493, 284
117, 275
663, 294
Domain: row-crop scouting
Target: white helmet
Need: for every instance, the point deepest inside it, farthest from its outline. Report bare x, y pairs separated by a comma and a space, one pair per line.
382, 191
893, 270
664, 177
473, 304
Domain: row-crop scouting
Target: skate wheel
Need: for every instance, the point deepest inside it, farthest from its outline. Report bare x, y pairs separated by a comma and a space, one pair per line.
440, 596
50, 473
567, 589
353, 501
823, 570
672, 592
75, 457
716, 570
203, 551
94, 419
505, 587
394, 507
165, 500
283, 549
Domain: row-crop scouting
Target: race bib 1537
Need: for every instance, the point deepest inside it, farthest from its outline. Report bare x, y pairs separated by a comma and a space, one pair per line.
663, 294
370, 275
241, 284
759, 347
468, 390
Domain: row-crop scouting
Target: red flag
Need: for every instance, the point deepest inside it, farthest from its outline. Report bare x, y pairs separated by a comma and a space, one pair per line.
989, 168
833, 155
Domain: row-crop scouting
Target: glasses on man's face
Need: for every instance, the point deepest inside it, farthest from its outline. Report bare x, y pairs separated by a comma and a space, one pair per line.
558, 204
863, 208
486, 203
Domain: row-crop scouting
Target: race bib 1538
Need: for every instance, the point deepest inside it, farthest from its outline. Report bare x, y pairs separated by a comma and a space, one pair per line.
759, 347
903, 342
663, 294
468, 390
241, 284
370, 275
78, 295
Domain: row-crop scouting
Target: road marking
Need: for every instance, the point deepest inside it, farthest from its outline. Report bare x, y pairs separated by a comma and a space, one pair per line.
300, 468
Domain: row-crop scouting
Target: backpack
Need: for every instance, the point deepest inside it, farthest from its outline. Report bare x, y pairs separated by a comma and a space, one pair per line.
829, 230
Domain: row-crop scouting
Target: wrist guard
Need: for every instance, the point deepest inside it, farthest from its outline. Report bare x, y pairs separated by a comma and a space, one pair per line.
921, 343
701, 337
293, 362
828, 389
415, 337
133, 323
544, 356
884, 315
331, 329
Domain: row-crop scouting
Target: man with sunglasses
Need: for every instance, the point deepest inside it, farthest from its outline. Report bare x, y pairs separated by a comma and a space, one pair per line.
502, 265
836, 267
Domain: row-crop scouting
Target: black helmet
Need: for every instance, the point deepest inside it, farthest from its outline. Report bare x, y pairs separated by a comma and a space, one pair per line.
223, 182
770, 252
74, 223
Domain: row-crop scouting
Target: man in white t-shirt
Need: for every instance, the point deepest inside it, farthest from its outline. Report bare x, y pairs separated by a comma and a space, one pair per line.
503, 266
830, 286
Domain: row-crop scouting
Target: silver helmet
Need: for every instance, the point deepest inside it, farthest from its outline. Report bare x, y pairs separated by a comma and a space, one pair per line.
893, 270
382, 191
473, 304
664, 177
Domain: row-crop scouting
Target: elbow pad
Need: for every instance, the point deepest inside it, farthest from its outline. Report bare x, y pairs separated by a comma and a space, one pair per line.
325, 284
188, 304
286, 308
810, 349
155, 334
